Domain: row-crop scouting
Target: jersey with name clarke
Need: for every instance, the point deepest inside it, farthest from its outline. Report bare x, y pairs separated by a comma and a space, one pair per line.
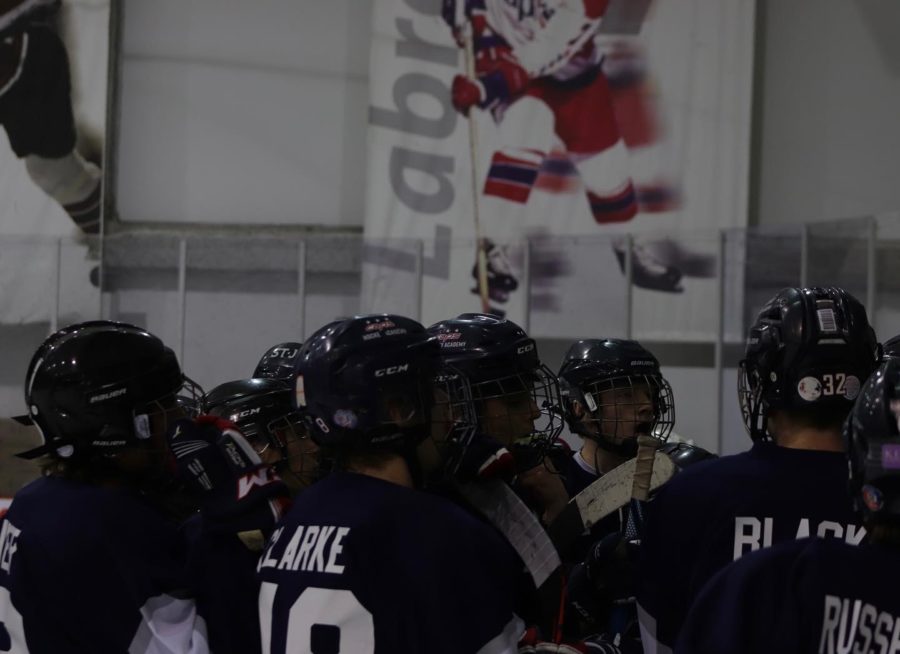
311, 548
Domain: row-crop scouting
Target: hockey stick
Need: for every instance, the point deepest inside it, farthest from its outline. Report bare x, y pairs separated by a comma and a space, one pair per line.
480, 243
643, 469
497, 502
607, 495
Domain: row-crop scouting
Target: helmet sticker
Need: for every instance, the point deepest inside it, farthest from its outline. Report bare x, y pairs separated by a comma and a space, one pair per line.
851, 387
65, 451
827, 321
810, 389
890, 456
300, 391
345, 418
142, 426
379, 325
872, 498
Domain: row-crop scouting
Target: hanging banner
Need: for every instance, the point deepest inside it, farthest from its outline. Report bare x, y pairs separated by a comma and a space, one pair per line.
519, 141
53, 80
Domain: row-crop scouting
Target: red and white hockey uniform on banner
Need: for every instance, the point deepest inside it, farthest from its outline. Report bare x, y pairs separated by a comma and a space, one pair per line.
568, 105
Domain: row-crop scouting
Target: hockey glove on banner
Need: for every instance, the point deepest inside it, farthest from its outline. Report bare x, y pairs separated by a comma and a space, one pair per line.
506, 82
234, 489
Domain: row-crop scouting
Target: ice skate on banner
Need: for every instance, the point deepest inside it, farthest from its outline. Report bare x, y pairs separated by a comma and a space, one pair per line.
647, 271
500, 280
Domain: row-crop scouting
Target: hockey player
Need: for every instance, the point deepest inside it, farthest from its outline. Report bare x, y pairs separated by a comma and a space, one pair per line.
263, 411
36, 110
807, 354
223, 558
821, 595
364, 561
539, 71
515, 397
91, 562
612, 390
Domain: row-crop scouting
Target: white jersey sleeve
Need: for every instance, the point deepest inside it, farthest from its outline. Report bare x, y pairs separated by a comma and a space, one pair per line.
544, 35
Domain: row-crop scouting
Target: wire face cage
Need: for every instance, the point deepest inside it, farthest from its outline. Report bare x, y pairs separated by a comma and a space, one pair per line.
519, 408
620, 408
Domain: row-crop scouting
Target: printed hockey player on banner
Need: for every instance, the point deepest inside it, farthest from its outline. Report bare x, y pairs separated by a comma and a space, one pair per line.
579, 111
565, 107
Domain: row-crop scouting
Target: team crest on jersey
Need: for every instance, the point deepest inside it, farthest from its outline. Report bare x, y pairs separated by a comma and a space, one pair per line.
810, 389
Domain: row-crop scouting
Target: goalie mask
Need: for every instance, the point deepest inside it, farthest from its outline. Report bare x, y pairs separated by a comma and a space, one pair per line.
612, 391
872, 438
93, 388
514, 394
809, 347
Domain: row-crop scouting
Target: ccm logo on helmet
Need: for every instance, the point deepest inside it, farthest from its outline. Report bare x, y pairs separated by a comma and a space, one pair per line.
525, 348
392, 370
234, 417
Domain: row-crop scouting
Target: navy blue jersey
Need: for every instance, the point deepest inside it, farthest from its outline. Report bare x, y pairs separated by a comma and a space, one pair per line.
577, 473
716, 511
814, 595
366, 566
223, 577
90, 569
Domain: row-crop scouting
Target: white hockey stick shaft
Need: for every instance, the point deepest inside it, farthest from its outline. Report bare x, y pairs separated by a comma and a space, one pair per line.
643, 470
480, 245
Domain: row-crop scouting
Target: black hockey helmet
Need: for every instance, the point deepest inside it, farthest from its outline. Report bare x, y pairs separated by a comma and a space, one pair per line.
354, 376
809, 347
278, 362
261, 408
872, 439
91, 387
501, 362
602, 375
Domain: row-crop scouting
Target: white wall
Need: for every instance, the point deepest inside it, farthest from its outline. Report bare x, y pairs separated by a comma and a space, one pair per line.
243, 112
830, 139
